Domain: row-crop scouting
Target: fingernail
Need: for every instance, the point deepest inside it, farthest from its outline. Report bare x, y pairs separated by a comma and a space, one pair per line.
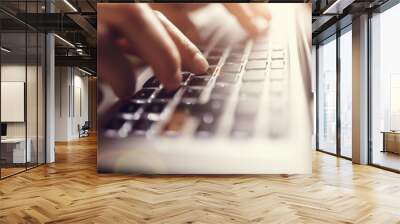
200, 63
260, 23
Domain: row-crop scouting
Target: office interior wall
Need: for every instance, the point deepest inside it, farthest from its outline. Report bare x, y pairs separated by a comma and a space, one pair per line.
62, 113
71, 102
16, 73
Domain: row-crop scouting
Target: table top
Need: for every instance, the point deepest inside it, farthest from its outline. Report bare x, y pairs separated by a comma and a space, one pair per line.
391, 132
13, 140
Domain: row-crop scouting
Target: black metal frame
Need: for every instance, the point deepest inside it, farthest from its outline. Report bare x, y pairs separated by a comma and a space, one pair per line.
338, 153
338, 98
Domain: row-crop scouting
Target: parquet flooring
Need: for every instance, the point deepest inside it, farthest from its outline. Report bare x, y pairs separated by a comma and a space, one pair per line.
70, 191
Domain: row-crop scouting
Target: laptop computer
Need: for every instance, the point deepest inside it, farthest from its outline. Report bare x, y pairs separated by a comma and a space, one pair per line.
249, 114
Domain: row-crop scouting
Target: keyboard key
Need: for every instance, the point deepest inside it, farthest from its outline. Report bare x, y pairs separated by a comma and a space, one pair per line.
198, 81
166, 94
151, 83
258, 55
277, 64
212, 61
142, 125
214, 106
221, 91
185, 76
258, 64
118, 127
191, 93
115, 124
210, 71
276, 74
231, 67
238, 48
207, 125
130, 107
260, 46
216, 53
202, 48
155, 107
235, 58
254, 75
226, 78
277, 46
247, 107
143, 94
261, 40
277, 54
243, 127
221, 44
252, 88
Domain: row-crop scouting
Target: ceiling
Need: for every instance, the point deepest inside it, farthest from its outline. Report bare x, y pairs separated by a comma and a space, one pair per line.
332, 15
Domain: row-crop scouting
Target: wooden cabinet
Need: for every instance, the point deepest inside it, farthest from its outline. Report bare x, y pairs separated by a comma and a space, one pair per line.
391, 142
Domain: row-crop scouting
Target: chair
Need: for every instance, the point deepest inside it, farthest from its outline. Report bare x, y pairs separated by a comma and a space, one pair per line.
84, 130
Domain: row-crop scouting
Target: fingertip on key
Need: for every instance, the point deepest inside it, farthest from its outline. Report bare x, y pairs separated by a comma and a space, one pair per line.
200, 63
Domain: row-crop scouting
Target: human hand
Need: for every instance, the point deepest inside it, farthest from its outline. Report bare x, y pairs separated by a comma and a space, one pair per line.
137, 29
253, 17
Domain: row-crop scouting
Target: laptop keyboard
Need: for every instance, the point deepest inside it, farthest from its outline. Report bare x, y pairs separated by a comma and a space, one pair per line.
225, 101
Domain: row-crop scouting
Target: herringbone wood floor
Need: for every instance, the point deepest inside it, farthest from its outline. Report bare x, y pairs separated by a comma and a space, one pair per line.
70, 191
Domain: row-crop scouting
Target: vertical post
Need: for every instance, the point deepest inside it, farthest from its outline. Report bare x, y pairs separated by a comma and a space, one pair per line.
317, 97
360, 90
338, 90
0, 97
50, 92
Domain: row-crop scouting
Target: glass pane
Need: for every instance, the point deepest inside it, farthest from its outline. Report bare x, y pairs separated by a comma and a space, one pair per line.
14, 153
31, 97
386, 89
41, 98
327, 97
346, 94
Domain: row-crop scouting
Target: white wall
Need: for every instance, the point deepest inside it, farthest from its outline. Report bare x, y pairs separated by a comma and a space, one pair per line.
12, 73
70, 83
33, 127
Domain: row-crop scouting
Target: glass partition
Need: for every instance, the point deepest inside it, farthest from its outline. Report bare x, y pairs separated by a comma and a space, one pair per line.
15, 149
385, 89
22, 90
327, 96
346, 93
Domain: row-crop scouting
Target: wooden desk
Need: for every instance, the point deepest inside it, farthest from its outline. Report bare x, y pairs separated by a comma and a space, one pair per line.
13, 150
391, 141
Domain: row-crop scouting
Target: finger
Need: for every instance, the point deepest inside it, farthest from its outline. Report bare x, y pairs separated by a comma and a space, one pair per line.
177, 7
246, 18
191, 57
261, 9
141, 28
186, 26
178, 14
113, 67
